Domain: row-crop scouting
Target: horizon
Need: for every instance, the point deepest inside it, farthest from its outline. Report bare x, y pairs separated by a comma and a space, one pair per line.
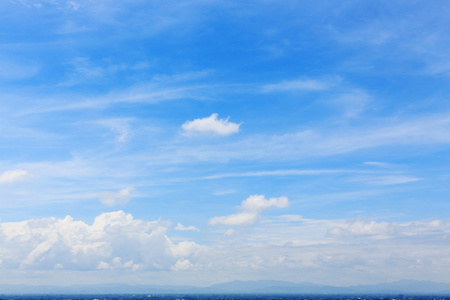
236, 287
202, 141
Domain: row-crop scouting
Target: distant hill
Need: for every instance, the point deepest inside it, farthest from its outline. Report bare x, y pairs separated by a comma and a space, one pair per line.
242, 287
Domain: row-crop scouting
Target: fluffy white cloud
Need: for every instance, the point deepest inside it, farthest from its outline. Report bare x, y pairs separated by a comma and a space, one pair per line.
181, 227
182, 264
115, 240
259, 203
210, 125
117, 198
13, 176
250, 210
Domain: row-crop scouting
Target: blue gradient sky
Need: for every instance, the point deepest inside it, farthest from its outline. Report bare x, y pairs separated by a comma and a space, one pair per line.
196, 142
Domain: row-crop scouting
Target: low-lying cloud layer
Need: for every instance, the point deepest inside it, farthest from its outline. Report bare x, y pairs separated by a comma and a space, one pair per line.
115, 240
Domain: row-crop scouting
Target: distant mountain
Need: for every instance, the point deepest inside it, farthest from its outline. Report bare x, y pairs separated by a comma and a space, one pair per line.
241, 287
269, 286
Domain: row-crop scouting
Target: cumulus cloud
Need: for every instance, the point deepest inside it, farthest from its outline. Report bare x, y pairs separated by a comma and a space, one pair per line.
250, 209
185, 228
13, 176
182, 264
115, 240
210, 125
117, 198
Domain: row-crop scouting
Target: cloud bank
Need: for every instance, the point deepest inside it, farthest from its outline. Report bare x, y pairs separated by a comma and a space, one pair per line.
115, 240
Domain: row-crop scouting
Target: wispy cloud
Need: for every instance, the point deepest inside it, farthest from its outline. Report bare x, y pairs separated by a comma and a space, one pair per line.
117, 198
11, 176
388, 179
279, 173
296, 85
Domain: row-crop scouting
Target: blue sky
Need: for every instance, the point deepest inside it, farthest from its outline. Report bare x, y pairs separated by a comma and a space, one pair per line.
197, 142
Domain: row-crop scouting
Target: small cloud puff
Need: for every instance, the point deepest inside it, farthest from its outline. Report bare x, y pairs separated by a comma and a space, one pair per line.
186, 228
210, 125
117, 198
250, 209
13, 176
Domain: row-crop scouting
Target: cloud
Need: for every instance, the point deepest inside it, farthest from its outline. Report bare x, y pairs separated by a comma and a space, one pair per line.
182, 264
291, 172
258, 203
242, 218
210, 125
359, 227
115, 240
13, 176
117, 198
389, 179
186, 228
250, 208
119, 127
352, 103
295, 85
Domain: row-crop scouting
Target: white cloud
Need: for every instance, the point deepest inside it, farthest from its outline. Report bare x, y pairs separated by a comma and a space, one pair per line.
259, 203
242, 218
181, 264
210, 125
13, 176
119, 127
360, 227
377, 164
115, 240
117, 198
389, 179
185, 228
295, 85
250, 210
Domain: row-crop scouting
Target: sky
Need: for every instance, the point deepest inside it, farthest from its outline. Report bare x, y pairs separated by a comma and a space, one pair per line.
204, 141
